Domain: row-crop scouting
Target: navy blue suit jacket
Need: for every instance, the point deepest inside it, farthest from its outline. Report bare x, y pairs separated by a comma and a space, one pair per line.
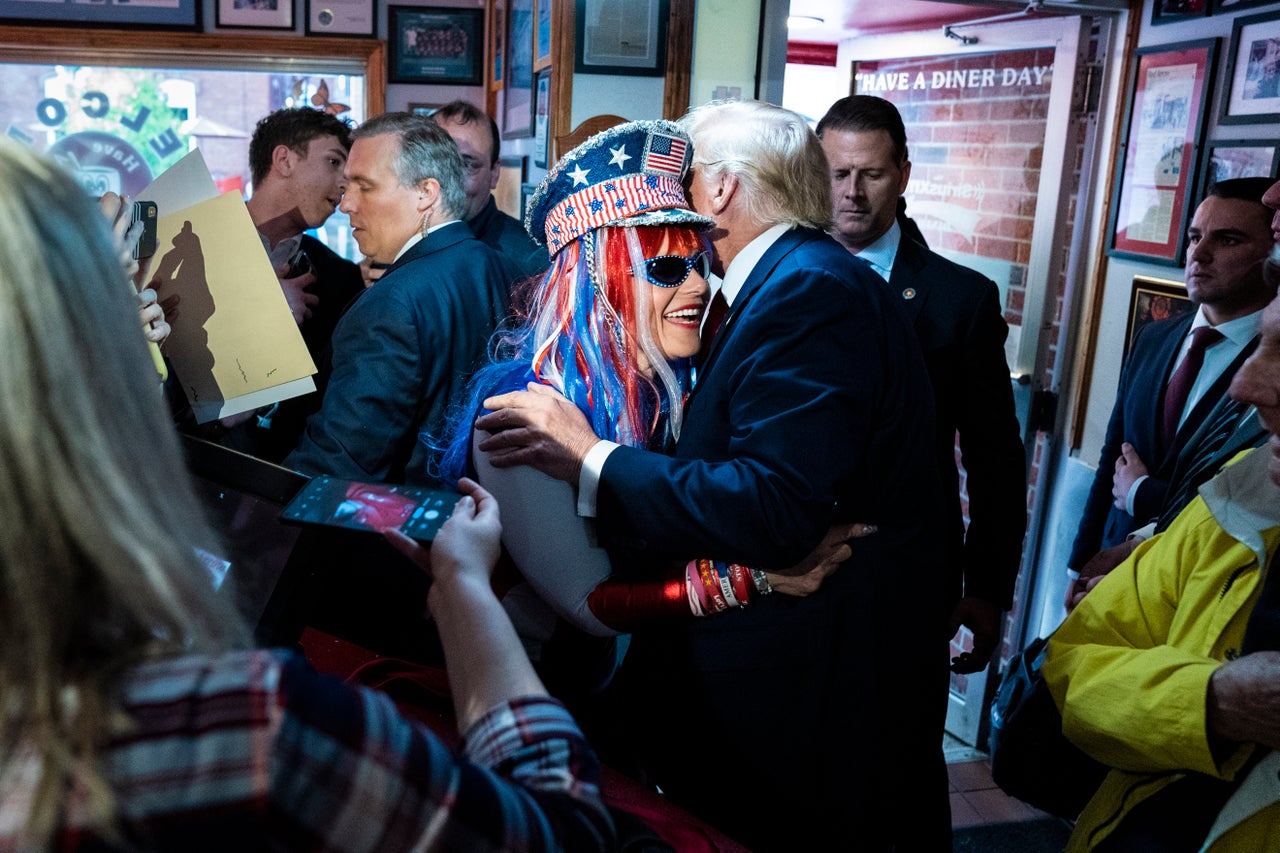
506, 236
957, 318
405, 347
813, 404
1135, 418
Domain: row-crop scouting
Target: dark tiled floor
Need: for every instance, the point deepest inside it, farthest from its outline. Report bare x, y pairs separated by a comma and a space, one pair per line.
976, 800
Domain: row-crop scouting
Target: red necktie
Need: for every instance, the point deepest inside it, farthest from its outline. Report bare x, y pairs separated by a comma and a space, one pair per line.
716, 312
1179, 388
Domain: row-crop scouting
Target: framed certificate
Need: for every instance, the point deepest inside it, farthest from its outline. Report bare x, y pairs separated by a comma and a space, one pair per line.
1165, 118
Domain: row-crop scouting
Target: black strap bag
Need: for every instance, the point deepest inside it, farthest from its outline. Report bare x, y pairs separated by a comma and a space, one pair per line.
1030, 757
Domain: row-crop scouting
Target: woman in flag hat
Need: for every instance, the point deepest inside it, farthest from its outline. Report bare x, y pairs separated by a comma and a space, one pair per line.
613, 326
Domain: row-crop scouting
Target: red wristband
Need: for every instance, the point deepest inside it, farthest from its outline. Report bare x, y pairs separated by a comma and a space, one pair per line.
711, 583
740, 577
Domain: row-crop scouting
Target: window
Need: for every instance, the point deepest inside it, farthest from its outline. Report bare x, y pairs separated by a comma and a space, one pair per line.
117, 126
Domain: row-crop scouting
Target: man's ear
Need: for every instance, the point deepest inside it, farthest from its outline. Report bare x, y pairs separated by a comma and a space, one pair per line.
497, 174
428, 195
722, 189
283, 159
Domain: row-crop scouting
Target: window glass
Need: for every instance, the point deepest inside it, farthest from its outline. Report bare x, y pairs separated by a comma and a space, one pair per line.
118, 128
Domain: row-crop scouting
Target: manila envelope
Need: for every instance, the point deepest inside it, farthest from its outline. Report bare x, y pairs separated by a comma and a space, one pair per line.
235, 346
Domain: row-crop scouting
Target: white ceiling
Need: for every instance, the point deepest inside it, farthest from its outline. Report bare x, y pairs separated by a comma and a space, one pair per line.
844, 19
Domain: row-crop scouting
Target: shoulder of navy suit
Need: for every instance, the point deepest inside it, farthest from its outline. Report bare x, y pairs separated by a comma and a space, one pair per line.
1162, 330
442, 238
808, 254
912, 258
813, 251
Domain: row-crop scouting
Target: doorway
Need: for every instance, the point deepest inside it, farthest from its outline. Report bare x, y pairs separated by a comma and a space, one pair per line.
1002, 142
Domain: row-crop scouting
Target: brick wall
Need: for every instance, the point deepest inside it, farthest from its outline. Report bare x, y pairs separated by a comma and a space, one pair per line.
975, 128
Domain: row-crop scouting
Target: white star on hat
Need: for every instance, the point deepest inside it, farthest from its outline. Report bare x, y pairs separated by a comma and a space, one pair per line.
579, 175
620, 156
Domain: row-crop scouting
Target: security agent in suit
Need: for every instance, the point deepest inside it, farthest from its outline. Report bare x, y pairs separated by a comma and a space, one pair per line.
957, 317
1229, 240
798, 721
409, 343
477, 137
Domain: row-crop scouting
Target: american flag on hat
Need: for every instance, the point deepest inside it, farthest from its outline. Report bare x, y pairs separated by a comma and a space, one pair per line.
664, 155
600, 184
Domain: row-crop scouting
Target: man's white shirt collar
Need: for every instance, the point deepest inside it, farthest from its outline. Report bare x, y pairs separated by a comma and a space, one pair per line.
1239, 331
883, 250
745, 261
417, 238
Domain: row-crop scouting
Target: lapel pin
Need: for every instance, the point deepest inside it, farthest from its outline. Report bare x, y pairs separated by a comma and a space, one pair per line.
909, 293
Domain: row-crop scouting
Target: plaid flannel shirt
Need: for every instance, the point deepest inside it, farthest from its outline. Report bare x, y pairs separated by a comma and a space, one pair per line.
256, 751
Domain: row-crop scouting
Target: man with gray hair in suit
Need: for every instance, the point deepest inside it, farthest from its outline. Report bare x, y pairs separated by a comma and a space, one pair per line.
407, 345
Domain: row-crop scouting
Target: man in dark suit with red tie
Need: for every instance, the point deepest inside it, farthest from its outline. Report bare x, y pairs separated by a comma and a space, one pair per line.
795, 723
1179, 369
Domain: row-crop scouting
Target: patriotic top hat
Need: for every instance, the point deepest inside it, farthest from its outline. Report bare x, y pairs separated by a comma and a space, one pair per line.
627, 175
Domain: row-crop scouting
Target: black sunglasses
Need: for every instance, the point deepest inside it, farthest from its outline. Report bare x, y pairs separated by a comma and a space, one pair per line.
672, 270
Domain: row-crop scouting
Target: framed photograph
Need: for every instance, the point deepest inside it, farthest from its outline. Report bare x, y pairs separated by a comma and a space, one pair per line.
1253, 71
1154, 299
1242, 158
157, 14
1165, 116
1223, 7
424, 109
512, 173
443, 45
1169, 11
255, 14
497, 43
526, 196
542, 34
542, 119
340, 18
611, 40
517, 108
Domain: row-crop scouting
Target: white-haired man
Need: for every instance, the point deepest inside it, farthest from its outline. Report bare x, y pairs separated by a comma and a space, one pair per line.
791, 724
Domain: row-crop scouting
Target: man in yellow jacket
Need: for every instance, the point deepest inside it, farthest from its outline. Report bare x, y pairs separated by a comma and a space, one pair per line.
1169, 670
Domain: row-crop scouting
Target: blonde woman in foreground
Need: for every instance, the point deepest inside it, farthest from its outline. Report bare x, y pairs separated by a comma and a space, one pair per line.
135, 714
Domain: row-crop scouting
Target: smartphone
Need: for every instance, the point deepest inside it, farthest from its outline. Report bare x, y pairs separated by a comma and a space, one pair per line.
300, 264
415, 511
145, 212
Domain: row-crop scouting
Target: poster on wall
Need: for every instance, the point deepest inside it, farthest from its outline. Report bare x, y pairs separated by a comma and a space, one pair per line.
975, 127
1166, 115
